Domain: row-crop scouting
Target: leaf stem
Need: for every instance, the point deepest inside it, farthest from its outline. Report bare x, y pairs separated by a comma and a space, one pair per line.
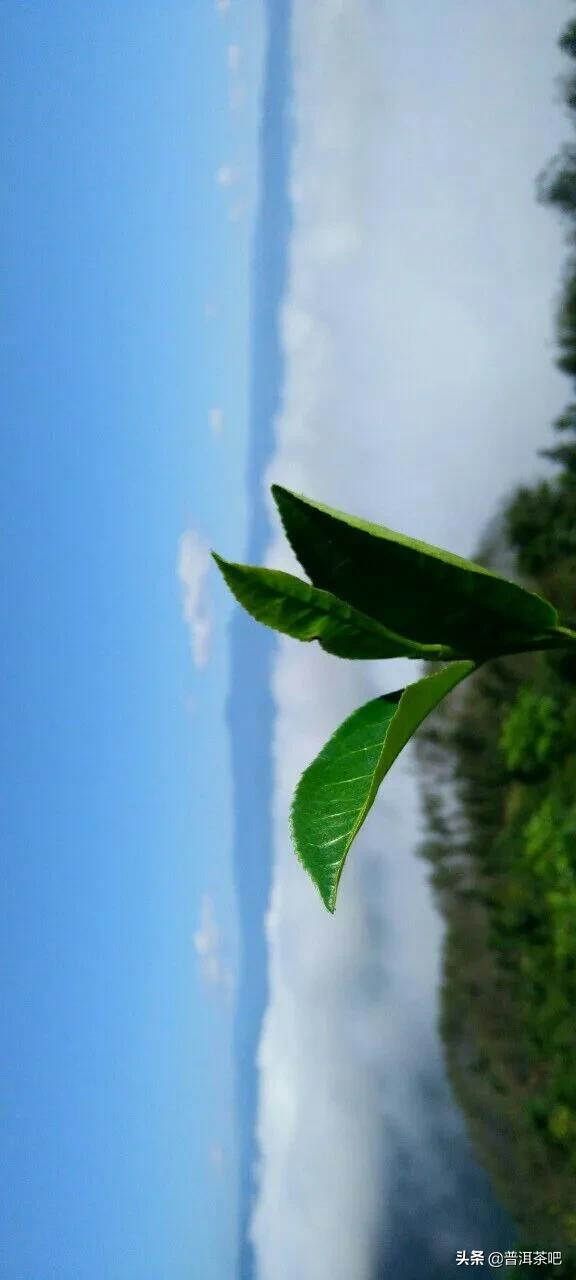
555, 638
566, 631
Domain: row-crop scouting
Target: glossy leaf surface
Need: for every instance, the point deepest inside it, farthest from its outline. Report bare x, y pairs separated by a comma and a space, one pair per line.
294, 607
413, 588
337, 791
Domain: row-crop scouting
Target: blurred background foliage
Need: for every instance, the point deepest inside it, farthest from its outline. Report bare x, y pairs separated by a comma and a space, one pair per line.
498, 768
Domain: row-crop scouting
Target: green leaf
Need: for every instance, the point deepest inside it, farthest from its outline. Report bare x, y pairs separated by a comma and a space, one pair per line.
337, 791
415, 589
297, 609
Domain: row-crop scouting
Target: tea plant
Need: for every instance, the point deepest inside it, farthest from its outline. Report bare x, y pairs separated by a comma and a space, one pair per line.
377, 594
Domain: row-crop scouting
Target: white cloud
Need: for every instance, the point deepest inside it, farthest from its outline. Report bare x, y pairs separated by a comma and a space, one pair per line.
216, 417
238, 211
210, 949
237, 91
418, 387
194, 563
234, 57
237, 95
225, 176
207, 941
216, 1157
223, 5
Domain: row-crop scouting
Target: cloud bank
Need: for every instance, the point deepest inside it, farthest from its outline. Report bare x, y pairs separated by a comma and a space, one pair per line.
419, 384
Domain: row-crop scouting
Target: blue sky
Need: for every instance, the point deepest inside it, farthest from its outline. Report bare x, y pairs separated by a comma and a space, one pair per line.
129, 144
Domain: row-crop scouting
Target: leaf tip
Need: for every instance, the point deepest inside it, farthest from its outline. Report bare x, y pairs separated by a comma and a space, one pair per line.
280, 496
227, 569
283, 495
328, 896
327, 892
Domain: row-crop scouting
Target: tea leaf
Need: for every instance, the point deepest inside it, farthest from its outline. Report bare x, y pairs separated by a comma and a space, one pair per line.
300, 610
337, 791
415, 589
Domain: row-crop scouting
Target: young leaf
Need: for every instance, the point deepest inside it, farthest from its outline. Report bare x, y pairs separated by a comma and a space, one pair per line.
415, 589
297, 609
338, 789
